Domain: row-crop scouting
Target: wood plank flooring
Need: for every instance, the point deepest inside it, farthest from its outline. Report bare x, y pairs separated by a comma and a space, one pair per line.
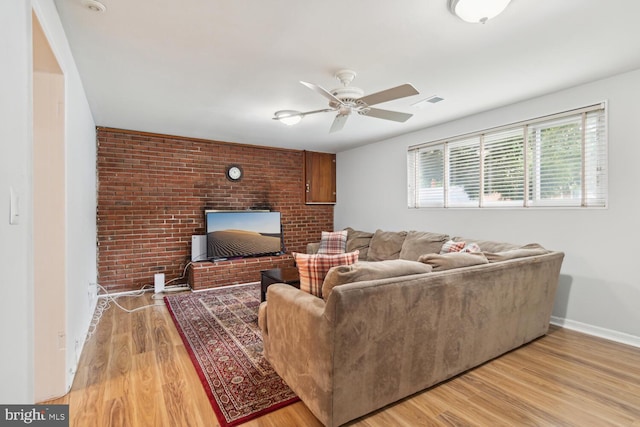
135, 371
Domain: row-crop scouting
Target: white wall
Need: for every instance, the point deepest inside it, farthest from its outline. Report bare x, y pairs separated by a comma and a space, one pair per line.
80, 140
16, 251
16, 168
599, 288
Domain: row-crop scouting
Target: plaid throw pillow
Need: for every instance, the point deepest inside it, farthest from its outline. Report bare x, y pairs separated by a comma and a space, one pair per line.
452, 246
471, 248
334, 242
314, 268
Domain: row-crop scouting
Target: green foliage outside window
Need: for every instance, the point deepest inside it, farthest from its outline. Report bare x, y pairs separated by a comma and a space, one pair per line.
560, 162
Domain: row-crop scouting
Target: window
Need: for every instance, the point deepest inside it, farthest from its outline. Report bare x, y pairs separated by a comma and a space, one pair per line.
552, 161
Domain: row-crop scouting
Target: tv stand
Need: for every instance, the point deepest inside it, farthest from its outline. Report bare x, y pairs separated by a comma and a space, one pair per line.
214, 274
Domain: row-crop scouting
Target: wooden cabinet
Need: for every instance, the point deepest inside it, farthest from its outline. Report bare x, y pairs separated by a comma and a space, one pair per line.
319, 178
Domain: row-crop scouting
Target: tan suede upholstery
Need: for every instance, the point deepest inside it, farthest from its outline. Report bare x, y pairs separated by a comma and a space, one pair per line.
418, 243
386, 245
451, 260
358, 240
374, 342
524, 251
364, 270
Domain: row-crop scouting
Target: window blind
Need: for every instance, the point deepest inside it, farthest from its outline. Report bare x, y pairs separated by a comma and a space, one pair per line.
552, 161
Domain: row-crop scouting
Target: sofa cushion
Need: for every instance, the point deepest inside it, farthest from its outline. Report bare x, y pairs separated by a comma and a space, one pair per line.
441, 262
313, 268
358, 240
312, 248
386, 245
488, 245
421, 242
531, 249
364, 270
333, 242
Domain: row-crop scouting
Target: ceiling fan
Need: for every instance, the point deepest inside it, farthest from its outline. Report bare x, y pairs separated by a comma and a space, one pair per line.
349, 99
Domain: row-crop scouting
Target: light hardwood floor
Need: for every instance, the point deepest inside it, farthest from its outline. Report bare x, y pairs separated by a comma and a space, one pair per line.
135, 371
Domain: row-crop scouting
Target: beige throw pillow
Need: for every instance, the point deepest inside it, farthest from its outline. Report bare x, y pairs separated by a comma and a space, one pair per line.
358, 241
441, 262
421, 242
386, 245
363, 270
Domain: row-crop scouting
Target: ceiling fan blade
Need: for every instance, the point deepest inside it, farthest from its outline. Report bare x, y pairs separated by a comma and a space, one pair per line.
389, 94
396, 116
338, 122
322, 91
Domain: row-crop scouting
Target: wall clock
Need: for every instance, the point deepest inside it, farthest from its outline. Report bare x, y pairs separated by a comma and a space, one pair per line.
234, 173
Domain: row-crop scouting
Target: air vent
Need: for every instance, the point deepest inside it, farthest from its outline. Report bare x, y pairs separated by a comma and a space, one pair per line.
431, 100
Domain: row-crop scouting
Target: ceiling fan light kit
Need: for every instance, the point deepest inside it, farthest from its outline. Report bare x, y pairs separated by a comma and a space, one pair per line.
349, 99
288, 117
477, 11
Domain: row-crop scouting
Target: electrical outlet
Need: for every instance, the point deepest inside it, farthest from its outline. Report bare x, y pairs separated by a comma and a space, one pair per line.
14, 207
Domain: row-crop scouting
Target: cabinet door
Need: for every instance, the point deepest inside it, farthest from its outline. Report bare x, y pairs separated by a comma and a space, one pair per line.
320, 178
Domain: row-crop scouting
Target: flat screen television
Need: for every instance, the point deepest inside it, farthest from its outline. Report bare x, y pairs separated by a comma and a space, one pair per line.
240, 234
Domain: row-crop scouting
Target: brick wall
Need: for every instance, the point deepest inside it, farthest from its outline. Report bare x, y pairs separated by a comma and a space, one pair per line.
206, 275
153, 190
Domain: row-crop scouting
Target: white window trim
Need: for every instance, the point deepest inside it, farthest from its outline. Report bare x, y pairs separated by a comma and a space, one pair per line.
525, 204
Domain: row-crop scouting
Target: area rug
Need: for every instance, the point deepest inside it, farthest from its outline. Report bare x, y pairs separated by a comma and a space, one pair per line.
220, 330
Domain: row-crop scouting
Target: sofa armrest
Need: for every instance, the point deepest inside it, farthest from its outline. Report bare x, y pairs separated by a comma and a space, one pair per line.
262, 318
288, 300
298, 343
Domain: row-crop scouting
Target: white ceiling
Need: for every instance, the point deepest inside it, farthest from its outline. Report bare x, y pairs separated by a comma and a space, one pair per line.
218, 69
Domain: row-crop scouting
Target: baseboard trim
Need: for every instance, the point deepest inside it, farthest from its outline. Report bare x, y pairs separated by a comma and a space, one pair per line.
597, 331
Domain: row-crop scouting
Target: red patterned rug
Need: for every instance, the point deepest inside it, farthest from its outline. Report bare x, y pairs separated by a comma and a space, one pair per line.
220, 330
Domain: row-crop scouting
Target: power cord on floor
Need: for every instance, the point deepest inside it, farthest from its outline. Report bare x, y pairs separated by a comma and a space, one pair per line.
104, 303
105, 299
184, 274
113, 298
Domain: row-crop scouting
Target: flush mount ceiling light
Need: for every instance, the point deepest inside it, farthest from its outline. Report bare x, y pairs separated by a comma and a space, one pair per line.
94, 5
288, 117
477, 11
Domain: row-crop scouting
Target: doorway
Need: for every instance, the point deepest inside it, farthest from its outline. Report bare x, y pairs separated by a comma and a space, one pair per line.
49, 220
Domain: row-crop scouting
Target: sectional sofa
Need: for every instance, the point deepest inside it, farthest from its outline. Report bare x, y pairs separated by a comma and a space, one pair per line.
378, 334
